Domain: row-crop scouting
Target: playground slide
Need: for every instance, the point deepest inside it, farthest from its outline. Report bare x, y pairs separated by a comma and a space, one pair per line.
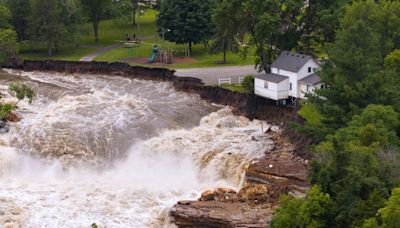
152, 57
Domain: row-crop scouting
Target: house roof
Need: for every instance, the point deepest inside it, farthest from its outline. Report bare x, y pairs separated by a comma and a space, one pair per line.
311, 80
275, 78
290, 61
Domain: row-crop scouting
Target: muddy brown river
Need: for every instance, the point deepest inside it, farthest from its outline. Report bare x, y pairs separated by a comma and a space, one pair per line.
115, 151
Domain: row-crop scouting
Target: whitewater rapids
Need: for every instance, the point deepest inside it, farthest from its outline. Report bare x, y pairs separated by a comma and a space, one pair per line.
115, 151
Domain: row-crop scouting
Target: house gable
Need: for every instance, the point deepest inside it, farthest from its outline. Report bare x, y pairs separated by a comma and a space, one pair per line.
309, 68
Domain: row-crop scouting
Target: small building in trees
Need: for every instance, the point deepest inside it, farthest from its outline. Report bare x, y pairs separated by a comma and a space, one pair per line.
292, 77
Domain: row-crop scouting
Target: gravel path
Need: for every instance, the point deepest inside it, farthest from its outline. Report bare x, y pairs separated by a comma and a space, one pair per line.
211, 75
99, 52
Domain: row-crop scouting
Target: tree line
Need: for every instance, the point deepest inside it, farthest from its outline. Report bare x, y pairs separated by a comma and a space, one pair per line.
355, 124
269, 26
222, 25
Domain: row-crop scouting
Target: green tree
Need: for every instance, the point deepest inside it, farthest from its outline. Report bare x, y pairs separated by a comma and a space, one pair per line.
125, 10
354, 74
185, 22
388, 216
248, 83
8, 37
319, 22
273, 26
315, 210
5, 109
53, 23
135, 8
350, 168
392, 61
20, 10
22, 91
328, 16
228, 27
96, 10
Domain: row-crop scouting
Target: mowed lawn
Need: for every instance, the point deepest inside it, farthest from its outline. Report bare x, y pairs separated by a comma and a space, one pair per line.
110, 32
200, 56
114, 31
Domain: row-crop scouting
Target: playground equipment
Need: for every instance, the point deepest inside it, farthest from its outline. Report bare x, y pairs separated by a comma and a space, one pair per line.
154, 55
163, 56
166, 56
131, 45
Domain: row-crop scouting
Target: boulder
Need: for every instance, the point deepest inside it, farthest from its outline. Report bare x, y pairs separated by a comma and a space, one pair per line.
4, 127
286, 173
12, 117
199, 214
220, 194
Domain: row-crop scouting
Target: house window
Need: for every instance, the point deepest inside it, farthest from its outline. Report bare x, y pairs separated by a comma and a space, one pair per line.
309, 70
290, 86
266, 84
322, 86
307, 87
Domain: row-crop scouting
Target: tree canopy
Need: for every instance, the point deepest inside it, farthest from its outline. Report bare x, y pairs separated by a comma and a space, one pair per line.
185, 22
8, 36
96, 10
272, 25
227, 33
354, 73
52, 23
355, 119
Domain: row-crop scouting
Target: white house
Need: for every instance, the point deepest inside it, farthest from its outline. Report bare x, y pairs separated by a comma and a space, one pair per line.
292, 76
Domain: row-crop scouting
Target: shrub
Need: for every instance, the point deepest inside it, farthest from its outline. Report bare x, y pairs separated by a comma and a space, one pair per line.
22, 91
5, 109
248, 83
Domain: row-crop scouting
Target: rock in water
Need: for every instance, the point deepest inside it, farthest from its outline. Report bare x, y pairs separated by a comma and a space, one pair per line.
12, 117
4, 127
220, 194
221, 214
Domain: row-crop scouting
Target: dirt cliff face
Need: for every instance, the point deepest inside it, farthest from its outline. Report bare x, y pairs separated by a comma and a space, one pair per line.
122, 69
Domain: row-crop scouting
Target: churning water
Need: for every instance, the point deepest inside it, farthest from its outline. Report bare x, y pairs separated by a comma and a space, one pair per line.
115, 151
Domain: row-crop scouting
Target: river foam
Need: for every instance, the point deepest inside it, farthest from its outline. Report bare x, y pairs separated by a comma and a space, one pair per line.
175, 147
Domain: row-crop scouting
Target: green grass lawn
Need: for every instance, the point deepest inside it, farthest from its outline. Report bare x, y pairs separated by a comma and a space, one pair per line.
235, 88
200, 55
110, 32
67, 54
113, 31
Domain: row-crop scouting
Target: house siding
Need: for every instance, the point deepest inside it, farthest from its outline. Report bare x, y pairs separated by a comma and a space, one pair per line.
303, 72
311, 88
275, 91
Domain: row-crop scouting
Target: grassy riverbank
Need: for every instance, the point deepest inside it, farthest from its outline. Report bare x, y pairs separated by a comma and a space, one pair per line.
113, 31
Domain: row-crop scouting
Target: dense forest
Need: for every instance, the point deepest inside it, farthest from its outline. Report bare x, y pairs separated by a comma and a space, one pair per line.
354, 120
